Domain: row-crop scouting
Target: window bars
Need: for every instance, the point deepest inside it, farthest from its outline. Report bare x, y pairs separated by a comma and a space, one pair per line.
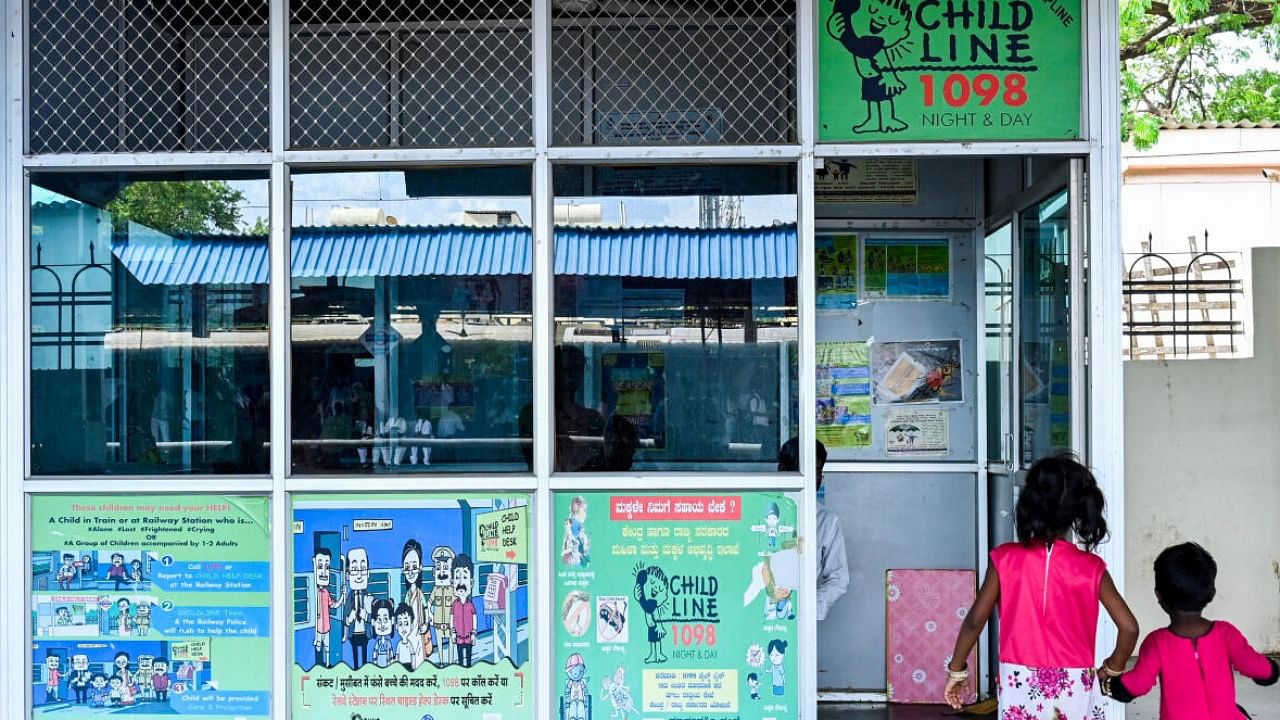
148, 75
387, 73
653, 72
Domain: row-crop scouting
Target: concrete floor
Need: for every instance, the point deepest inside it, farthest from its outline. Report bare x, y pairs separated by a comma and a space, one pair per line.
1262, 703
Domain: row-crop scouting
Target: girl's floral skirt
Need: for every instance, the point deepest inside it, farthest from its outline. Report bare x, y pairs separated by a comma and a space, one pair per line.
1028, 693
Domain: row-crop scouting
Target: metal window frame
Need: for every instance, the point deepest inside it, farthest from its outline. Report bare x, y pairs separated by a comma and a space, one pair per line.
1097, 215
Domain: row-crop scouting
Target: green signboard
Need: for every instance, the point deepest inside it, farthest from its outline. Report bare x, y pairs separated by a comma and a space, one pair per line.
949, 70
677, 607
152, 606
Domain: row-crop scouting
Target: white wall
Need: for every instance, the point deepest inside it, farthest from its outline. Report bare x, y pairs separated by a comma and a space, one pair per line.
1202, 463
1239, 212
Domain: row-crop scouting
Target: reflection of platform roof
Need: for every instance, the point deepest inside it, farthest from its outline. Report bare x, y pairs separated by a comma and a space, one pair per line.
399, 251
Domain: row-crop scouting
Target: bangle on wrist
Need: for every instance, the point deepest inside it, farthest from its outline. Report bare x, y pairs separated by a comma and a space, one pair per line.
1111, 672
958, 675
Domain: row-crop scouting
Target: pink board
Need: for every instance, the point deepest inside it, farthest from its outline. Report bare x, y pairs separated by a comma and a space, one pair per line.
923, 612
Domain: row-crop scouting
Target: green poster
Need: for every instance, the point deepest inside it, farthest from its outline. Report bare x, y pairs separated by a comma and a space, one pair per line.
844, 394
937, 70
411, 606
908, 269
836, 261
677, 607
152, 606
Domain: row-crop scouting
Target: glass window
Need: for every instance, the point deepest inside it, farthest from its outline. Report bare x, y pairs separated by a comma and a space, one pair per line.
148, 324
412, 329
1046, 328
675, 304
998, 303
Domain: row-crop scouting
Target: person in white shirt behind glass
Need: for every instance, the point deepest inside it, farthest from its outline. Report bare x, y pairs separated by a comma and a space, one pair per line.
833, 564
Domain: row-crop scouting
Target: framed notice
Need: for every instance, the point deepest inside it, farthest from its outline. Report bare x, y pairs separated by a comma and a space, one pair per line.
934, 70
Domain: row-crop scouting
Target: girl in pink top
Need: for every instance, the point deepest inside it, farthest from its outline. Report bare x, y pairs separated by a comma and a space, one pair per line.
1193, 658
1048, 590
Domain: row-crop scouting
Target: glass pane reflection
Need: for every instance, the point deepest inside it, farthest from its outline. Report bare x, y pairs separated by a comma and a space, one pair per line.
675, 302
412, 331
148, 324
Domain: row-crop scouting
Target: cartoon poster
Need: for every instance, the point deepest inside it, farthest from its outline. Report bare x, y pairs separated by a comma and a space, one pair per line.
916, 432
634, 389
920, 371
907, 269
929, 70
411, 606
836, 258
844, 395
151, 606
677, 607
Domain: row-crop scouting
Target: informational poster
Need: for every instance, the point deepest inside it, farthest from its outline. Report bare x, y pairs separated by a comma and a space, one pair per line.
907, 269
658, 127
920, 371
411, 606
844, 395
915, 431
634, 387
152, 606
836, 259
876, 181
945, 71
677, 607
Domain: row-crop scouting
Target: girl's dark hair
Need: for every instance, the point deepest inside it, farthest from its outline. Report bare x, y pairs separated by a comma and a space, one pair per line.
1061, 496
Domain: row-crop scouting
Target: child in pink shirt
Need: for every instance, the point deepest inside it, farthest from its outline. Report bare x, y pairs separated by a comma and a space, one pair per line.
1048, 590
1194, 658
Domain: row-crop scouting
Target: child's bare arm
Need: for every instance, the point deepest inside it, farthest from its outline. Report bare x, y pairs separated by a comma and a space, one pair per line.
1126, 624
970, 630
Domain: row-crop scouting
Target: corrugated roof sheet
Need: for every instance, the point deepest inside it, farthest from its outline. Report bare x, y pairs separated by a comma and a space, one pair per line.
157, 259
677, 253
1215, 125
398, 251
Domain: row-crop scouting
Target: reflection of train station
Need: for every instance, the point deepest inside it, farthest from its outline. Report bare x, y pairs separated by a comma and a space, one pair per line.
360, 282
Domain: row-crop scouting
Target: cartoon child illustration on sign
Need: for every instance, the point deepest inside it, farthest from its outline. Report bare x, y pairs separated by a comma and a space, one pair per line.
575, 689
383, 649
116, 573
777, 653
652, 594
875, 32
753, 684
66, 571
98, 690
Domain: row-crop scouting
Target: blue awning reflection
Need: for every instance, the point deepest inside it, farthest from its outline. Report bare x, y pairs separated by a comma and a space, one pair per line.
398, 251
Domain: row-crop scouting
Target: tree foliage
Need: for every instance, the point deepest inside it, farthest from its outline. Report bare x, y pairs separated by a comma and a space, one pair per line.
1175, 56
179, 207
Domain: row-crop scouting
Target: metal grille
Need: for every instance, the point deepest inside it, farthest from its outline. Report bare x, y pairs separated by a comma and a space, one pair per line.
694, 72
386, 73
148, 75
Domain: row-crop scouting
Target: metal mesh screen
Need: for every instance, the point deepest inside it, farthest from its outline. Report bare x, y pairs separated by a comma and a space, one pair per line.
148, 75
684, 72
383, 73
